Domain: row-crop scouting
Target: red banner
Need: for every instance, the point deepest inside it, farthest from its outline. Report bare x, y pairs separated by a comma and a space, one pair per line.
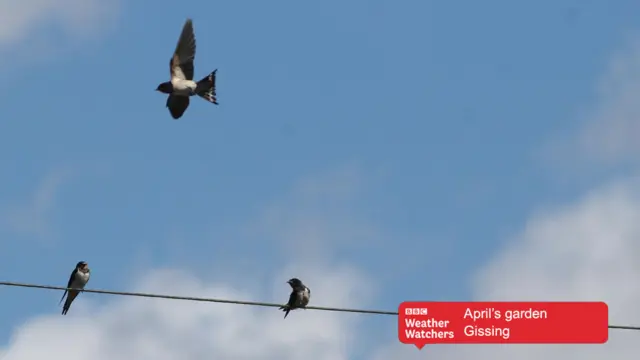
422, 323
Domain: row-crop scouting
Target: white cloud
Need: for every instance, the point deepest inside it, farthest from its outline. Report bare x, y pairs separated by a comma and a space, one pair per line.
586, 251
20, 19
32, 218
33, 31
575, 252
141, 328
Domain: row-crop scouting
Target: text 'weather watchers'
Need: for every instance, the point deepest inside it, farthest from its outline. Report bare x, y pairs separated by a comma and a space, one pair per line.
422, 323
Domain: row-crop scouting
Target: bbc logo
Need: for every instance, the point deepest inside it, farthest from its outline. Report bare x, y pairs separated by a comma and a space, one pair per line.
416, 311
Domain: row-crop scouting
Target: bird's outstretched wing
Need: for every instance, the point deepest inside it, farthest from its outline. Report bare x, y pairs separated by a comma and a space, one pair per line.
73, 275
177, 105
181, 64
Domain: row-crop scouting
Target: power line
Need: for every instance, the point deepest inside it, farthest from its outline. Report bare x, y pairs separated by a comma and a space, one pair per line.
623, 327
236, 302
189, 298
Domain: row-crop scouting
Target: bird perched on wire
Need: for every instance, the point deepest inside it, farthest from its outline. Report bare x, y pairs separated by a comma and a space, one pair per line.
299, 298
78, 280
181, 86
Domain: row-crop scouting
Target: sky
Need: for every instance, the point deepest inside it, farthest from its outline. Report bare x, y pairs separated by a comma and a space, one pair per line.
380, 151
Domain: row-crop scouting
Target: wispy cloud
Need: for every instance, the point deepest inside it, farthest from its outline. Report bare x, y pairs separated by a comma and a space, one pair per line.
21, 19
25, 25
32, 217
612, 133
320, 214
609, 133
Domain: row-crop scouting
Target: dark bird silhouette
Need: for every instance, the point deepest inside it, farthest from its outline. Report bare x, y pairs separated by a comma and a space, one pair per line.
78, 280
299, 298
181, 85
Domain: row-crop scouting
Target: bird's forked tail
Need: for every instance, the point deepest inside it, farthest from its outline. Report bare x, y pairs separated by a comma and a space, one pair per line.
286, 309
206, 88
71, 295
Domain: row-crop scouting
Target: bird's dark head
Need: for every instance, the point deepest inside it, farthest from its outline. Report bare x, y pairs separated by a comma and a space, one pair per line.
81, 265
294, 282
165, 87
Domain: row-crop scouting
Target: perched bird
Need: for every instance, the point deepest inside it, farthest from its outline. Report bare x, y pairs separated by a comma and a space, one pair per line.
299, 298
182, 86
78, 280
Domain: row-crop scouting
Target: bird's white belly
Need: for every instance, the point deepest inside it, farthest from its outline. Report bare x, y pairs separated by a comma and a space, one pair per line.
183, 87
81, 280
304, 298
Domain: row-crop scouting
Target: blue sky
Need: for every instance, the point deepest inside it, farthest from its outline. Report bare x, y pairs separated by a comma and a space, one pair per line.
409, 131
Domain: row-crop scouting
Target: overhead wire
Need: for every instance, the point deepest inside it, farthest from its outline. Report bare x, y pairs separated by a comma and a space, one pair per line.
227, 301
199, 299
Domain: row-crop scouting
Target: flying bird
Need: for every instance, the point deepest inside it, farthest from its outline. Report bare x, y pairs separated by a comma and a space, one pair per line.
78, 280
181, 86
299, 298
